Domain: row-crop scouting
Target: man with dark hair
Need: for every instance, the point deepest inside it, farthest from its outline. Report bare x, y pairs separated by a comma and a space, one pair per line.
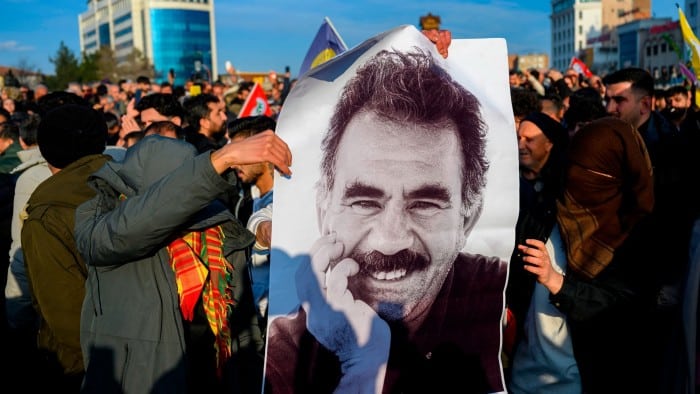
629, 94
241, 93
71, 138
160, 106
165, 128
168, 305
143, 87
151, 108
680, 110
206, 116
388, 300
523, 102
9, 146
259, 178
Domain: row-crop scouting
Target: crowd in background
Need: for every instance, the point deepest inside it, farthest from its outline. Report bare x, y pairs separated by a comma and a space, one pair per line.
627, 324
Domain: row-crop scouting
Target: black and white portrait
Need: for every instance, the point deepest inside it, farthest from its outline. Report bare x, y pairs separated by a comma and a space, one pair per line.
390, 242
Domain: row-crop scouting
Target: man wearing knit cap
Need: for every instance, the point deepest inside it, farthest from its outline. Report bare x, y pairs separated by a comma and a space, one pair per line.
71, 138
542, 143
537, 135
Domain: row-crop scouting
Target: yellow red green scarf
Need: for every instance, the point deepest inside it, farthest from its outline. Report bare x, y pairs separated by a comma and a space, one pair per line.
201, 269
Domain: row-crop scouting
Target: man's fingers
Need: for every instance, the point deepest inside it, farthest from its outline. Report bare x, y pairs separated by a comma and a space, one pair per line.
325, 250
337, 281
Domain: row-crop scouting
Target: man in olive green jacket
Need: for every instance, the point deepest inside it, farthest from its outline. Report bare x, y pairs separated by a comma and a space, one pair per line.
71, 138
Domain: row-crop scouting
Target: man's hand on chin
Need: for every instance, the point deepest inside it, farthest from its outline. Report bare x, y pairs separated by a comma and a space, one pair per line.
342, 324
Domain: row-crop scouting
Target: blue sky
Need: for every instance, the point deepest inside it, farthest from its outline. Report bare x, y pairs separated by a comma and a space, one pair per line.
264, 35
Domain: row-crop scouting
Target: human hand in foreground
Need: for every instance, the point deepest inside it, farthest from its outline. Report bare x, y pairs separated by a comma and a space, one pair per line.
441, 39
263, 233
129, 125
537, 261
347, 326
259, 148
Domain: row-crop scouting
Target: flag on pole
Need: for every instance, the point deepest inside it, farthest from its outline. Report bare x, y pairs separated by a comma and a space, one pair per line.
672, 44
580, 67
692, 41
256, 103
687, 73
326, 45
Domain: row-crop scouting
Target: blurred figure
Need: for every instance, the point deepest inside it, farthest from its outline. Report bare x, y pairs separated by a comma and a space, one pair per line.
40, 91
33, 170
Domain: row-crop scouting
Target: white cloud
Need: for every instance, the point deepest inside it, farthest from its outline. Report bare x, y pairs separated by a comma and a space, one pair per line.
14, 46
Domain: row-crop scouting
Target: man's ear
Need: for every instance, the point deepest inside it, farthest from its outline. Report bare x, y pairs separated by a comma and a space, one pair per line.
646, 104
322, 196
473, 213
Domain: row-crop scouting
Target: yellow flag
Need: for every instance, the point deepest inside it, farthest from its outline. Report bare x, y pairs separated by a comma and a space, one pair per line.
691, 40
694, 44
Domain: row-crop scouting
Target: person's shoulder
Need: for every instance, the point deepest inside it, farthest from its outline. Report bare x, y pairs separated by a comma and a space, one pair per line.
487, 269
286, 331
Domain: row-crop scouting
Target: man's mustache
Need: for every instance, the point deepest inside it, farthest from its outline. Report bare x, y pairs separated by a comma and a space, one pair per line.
373, 262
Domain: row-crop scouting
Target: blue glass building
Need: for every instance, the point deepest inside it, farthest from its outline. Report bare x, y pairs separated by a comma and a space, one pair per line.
173, 34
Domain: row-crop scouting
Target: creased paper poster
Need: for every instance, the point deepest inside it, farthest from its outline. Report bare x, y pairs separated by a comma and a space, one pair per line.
391, 239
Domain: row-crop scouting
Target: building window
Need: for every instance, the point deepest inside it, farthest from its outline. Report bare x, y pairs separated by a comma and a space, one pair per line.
648, 51
663, 47
122, 18
655, 50
105, 38
580, 29
122, 32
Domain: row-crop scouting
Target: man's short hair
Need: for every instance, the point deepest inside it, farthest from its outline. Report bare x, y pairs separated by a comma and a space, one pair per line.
674, 90
143, 79
524, 101
71, 132
411, 88
164, 103
250, 125
28, 127
5, 114
641, 79
163, 126
9, 131
197, 108
585, 105
111, 119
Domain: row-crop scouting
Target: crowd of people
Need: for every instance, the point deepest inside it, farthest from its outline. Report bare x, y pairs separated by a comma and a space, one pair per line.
111, 286
601, 287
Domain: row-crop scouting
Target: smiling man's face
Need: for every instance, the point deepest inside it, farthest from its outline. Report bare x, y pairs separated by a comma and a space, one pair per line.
396, 205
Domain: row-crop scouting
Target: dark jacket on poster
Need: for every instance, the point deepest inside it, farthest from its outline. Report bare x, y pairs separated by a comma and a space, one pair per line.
457, 348
55, 269
132, 331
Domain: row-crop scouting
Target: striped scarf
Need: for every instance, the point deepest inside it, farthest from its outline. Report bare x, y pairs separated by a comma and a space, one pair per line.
201, 269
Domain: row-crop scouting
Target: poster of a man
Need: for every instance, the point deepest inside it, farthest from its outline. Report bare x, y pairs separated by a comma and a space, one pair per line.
389, 294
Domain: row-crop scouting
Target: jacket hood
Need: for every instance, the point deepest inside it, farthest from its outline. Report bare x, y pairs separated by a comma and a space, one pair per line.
145, 164
29, 158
